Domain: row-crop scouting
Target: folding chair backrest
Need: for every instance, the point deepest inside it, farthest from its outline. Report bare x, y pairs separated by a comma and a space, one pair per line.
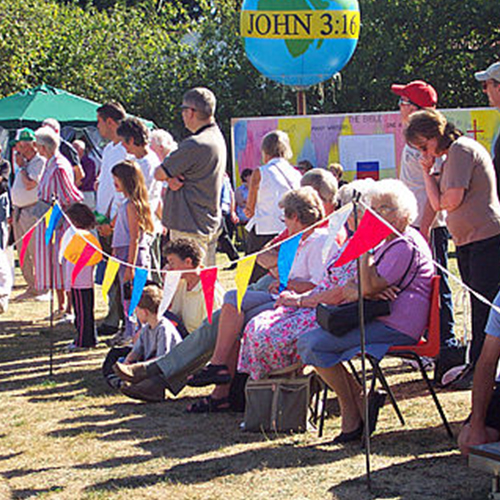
434, 324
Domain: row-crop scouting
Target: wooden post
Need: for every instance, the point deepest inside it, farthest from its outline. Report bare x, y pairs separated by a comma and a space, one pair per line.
301, 102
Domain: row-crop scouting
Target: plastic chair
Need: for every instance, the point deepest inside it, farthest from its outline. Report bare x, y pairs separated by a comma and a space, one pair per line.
428, 347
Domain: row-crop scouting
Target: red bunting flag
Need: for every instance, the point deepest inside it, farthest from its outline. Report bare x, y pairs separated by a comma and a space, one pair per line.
24, 244
85, 256
208, 278
371, 231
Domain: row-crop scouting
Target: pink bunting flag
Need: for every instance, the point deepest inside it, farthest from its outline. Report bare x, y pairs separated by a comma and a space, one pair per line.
24, 244
371, 231
208, 279
85, 256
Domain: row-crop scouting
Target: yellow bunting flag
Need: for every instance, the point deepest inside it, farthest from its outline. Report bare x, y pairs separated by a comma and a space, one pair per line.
47, 216
243, 273
109, 277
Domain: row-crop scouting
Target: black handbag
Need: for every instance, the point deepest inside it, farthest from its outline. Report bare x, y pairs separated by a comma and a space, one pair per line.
343, 318
340, 319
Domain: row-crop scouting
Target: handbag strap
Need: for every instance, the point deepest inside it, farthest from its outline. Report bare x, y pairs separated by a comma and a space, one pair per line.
405, 274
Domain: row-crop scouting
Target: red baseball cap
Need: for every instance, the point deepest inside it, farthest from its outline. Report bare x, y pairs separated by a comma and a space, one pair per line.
418, 92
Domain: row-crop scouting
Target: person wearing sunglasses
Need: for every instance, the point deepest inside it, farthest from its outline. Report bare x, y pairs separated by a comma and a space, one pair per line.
490, 80
415, 96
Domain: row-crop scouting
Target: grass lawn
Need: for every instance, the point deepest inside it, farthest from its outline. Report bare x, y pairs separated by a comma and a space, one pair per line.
70, 437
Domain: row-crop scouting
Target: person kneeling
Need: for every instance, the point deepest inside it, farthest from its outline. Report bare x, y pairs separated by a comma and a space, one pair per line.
157, 337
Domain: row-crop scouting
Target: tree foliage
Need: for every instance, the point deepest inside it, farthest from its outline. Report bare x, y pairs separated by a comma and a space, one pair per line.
147, 53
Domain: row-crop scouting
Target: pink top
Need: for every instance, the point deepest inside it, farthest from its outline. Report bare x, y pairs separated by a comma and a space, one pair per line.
84, 280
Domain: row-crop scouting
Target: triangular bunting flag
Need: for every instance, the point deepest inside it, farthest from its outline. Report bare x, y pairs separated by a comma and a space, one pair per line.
85, 256
336, 223
208, 279
65, 241
47, 216
24, 244
244, 270
286, 256
55, 215
171, 281
140, 278
109, 277
371, 231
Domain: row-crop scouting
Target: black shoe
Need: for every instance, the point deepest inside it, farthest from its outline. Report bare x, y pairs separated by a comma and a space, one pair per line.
107, 329
464, 381
450, 355
348, 437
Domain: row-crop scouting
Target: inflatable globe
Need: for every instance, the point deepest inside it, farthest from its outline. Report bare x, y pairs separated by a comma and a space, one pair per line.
299, 42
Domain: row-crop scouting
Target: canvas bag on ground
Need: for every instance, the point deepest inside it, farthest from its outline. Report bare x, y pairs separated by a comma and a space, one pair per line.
278, 404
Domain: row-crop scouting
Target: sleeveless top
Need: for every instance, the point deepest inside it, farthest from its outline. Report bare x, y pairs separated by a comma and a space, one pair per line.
277, 178
121, 234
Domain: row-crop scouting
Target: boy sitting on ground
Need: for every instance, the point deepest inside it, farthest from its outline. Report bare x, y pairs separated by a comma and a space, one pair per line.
187, 307
157, 337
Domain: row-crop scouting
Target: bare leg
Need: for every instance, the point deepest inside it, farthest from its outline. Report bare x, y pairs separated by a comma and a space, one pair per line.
348, 393
230, 325
222, 391
68, 302
60, 299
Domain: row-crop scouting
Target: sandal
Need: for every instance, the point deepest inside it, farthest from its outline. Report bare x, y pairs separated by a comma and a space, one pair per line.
211, 374
210, 405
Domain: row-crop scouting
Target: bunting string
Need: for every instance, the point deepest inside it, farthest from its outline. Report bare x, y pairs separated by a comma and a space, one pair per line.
245, 264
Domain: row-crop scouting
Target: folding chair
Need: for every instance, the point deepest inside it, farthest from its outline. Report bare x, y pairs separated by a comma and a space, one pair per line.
426, 347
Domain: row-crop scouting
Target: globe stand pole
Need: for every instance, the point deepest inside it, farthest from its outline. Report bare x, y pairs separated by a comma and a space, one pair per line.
301, 102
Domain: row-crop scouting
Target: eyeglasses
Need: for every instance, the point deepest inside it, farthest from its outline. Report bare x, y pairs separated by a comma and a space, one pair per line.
406, 102
384, 209
486, 82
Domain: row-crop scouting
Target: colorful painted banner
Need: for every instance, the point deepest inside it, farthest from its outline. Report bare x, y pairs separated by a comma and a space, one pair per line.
109, 277
244, 270
286, 256
366, 144
208, 279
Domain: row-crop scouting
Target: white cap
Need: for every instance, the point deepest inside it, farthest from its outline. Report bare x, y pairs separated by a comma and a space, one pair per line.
492, 73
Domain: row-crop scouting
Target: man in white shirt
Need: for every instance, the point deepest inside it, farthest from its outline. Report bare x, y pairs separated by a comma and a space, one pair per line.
29, 167
109, 117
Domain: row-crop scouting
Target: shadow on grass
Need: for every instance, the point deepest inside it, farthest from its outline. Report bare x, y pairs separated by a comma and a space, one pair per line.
31, 493
285, 456
445, 477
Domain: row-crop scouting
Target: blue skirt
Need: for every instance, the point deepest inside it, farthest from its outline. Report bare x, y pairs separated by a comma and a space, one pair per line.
323, 349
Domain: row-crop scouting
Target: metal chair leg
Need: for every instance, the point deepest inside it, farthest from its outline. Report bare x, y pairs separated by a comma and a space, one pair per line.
378, 373
323, 411
354, 372
434, 395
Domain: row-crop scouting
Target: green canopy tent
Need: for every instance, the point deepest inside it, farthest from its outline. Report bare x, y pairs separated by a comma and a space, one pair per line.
30, 107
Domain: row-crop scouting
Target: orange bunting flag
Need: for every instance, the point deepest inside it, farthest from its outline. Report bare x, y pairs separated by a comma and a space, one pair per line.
84, 259
243, 274
371, 231
208, 279
24, 244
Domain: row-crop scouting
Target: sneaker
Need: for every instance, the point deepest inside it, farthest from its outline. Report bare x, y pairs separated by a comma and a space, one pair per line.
427, 362
43, 297
66, 318
72, 347
119, 340
55, 316
450, 356
104, 329
464, 381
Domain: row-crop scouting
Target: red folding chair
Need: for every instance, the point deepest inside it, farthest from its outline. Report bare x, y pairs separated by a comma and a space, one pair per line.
428, 346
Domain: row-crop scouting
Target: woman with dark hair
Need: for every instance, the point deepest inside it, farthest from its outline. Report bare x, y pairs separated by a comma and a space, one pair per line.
466, 188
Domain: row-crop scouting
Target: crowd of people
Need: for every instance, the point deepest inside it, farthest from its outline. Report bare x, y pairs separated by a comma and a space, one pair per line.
165, 206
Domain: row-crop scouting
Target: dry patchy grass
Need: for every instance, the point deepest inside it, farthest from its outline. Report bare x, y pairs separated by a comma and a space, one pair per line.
71, 437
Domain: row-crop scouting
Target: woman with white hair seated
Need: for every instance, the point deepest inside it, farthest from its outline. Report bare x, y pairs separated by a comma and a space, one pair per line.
401, 268
56, 183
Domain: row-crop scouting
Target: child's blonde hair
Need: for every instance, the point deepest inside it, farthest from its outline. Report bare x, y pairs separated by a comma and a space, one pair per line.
134, 188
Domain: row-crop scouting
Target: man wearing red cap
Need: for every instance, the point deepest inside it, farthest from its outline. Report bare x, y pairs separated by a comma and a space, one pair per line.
414, 96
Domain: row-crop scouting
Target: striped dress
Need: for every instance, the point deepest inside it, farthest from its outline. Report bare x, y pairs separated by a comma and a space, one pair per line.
57, 180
